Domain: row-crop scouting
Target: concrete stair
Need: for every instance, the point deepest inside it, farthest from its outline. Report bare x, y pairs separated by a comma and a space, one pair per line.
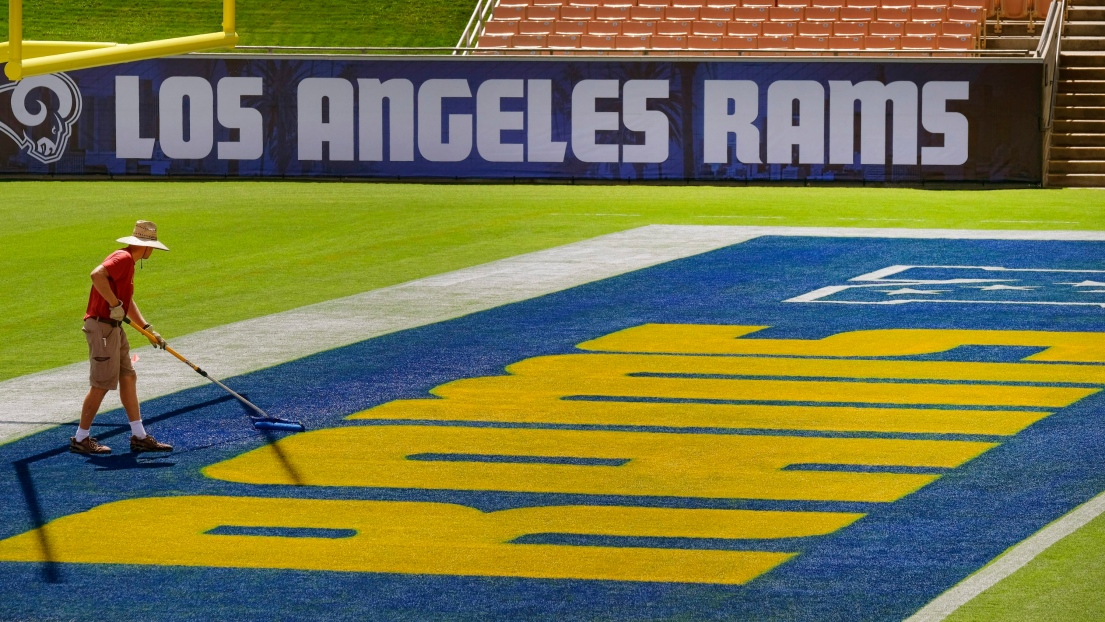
1077, 155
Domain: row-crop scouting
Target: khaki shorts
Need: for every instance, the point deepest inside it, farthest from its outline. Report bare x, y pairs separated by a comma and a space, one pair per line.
108, 354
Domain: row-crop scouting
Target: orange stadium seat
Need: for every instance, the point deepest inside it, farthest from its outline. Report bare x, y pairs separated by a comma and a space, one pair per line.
631, 42
850, 29
750, 14
694, 4
829, 4
605, 29
846, 43
577, 13
936, 4
709, 29
919, 42
959, 29
822, 14
780, 29
521, 3
857, 14
786, 14
900, 14
960, 14
598, 42
660, 3
509, 13
634, 27
495, 42
535, 28
896, 4
661, 42
1016, 9
674, 29
703, 43
928, 14
550, 13
647, 13
590, 3
739, 43
744, 29
612, 13
716, 13
922, 29
886, 29
528, 41
951, 42
681, 14
621, 4
758, 3
882, 43
811, 43
869, 4
495, 27
570, 28
778, 43
563, 42
792, 3
815, 29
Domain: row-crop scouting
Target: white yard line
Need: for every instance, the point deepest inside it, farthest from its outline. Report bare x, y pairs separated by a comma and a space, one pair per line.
1009, 562
39, 401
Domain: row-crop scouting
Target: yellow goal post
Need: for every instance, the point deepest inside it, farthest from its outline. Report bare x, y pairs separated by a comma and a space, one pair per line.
33, 58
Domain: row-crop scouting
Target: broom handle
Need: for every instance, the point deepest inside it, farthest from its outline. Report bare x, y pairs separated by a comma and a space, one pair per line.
195, 367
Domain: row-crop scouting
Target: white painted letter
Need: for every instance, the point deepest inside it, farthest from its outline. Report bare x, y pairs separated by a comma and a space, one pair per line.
491, 120
936, 119
128, 143
637, 117
872, 97
201, 125
250, 145
337, 129
809, 134
400, 96
430, 143
540, 147
718, 124
586, 120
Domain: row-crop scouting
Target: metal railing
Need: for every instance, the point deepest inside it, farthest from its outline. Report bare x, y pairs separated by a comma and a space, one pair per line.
626, 54
472, 31
1048, 50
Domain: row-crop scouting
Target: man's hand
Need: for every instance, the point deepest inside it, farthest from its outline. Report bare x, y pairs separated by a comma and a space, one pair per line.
118, 312
155, 340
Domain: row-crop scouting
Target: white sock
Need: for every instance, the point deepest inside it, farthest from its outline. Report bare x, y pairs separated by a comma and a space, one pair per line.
137, 429
81, 434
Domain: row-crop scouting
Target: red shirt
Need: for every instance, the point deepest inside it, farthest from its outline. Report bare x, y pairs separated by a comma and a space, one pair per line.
120, 270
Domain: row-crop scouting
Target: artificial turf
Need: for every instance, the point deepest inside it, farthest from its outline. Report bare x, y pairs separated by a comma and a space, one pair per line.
246, 249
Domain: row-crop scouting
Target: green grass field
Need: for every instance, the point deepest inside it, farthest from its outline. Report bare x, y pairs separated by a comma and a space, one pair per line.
407, 23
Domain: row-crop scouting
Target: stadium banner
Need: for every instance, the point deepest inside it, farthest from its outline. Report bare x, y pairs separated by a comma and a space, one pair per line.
570, 119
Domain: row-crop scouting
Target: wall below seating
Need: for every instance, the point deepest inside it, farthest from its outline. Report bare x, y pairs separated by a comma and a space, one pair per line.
891, 120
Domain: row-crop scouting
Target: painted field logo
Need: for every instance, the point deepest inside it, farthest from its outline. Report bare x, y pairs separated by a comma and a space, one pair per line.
56, 104
660, 433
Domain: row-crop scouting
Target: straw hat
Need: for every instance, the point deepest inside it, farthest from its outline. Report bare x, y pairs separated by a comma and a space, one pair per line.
145, 234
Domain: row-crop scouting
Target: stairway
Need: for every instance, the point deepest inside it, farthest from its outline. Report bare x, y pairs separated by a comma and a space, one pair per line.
1077, 156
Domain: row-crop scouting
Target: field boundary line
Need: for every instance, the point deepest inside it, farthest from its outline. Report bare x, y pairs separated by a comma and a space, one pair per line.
42, 400
1009, 562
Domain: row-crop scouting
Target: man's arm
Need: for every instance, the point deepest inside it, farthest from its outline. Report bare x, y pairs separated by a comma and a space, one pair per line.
136, 316
100, 282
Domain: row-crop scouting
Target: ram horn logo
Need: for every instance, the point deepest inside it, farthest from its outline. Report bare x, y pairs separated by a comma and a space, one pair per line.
45, 132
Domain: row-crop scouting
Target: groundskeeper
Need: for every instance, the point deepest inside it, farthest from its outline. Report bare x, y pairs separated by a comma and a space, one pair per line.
111, 300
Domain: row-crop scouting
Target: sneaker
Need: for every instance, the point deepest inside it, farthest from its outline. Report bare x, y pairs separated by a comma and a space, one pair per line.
138, 445
88, 446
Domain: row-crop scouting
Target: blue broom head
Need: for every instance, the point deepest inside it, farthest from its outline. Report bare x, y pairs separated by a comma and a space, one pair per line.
278, 425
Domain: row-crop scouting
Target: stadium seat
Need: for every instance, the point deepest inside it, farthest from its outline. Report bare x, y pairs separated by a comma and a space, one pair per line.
570, 28
886, 29
661, 42
829, 4
846, 43
528, 41
951, 42
919, 43
577, 13
703, 43
780, 29
850, 29
509, 13
777, 43
546, 2
922, 29
647, 13
811, 43
605, 29
960, 14
527, 27
1015, 9
694, 4
505, 3
744, 29
495, 42
758, 3
738, 43
750, 14
959, 29
857, 14
928, 14
792, 3
971, 4
814, 29
563, 42
900, 14
882, 43
681, 14
495, 27
716, 13
590, 3
785, 14
619, 4
631, 42
709, 29
822, 14
543, 13
896, 4
868, 4
634, 27
935, 4
673, 29
660, 3
611, 13
597, 42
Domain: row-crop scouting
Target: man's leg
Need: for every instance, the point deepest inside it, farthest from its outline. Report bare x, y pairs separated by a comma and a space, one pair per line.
81, 443
139, 440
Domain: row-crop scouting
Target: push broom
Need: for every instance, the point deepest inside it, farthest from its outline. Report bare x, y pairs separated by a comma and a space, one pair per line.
261, 421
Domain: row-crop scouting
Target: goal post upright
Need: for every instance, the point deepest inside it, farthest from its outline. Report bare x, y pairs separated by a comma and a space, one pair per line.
33, 58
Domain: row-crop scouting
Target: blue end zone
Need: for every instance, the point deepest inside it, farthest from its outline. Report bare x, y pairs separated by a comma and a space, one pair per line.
884, 567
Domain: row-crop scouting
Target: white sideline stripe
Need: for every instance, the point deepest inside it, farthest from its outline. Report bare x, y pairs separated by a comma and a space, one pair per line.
39, 401
1009, 562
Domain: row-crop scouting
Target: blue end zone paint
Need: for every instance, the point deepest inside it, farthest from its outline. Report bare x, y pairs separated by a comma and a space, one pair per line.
882, 568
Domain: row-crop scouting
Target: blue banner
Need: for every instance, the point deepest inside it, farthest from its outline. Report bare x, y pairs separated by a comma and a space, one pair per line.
593, 119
